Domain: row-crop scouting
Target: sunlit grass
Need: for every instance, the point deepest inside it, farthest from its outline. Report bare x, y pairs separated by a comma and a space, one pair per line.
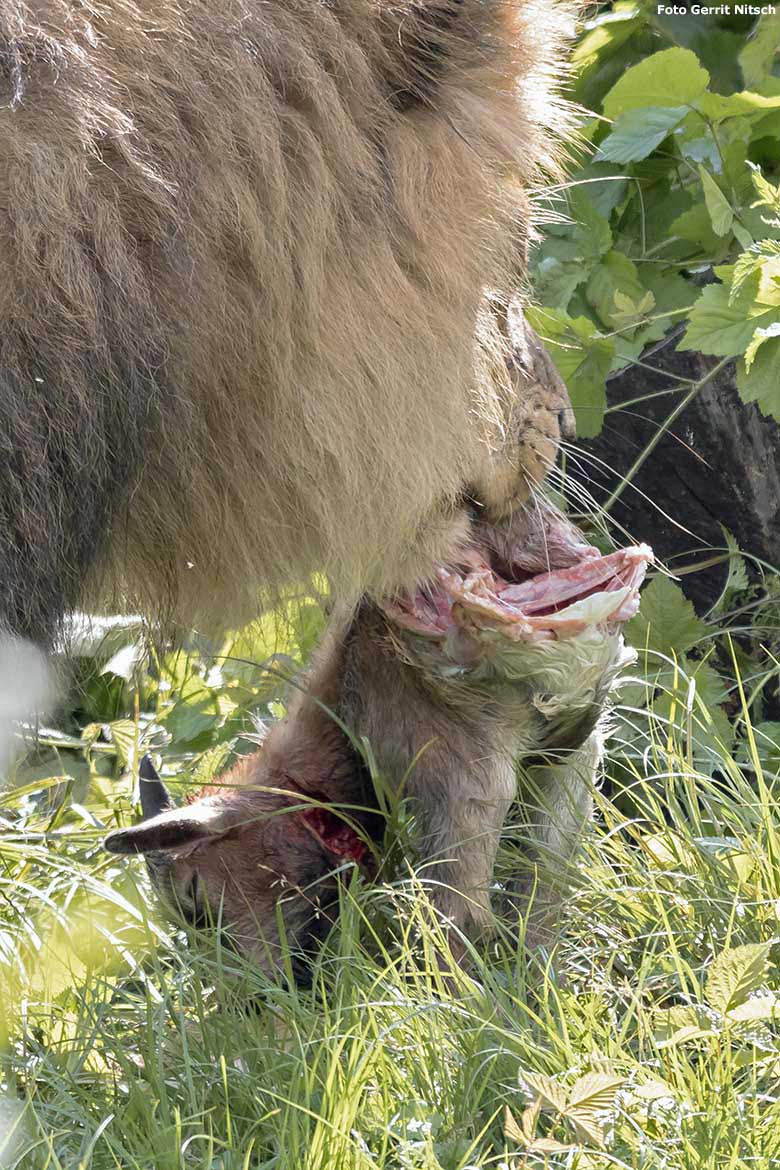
123, 1047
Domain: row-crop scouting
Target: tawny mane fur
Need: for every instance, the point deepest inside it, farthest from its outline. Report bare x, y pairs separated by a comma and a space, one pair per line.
254, 263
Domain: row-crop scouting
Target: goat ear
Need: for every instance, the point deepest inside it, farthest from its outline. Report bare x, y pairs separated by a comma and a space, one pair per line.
155, 797
172, 830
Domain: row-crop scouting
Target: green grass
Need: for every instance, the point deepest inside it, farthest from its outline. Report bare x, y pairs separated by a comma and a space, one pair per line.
649, 1039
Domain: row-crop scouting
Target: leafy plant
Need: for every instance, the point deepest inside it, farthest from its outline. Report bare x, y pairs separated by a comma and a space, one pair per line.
680, 189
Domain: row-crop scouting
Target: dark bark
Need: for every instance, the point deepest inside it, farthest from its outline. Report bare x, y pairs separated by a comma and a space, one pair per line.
719, 464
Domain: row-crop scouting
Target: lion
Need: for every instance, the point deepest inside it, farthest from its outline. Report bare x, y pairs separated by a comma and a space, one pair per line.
259, 267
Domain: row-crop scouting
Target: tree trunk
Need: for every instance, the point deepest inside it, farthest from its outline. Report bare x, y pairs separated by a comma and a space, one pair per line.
717, 465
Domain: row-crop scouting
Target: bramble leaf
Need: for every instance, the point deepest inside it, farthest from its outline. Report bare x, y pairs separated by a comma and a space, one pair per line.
761, 335
595, 1092
695, 226
758, 1007
768, 193
761, 383
666, 621
734, 973
615, 276
724, 327
511, 1129
550, 1093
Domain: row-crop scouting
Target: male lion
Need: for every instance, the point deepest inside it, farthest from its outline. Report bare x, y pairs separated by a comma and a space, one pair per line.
257, 264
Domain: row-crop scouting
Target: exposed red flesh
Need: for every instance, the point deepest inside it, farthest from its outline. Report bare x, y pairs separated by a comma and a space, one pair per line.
335, 834
543, 592
474, 594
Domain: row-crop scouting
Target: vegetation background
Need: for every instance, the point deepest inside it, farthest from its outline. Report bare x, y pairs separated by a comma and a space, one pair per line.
653, 1039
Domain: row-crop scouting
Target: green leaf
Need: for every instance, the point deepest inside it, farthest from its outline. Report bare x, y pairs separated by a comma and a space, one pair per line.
742, 235
562, 261
605, 186
719, 209
747, 267
596, 1091
736, 578
209, 764
672, 77
758, 55
669, 851
653, 1091
761, 383
701, 149
695, 226
768, 193
615, 275
591, 227
545, 1145
734, 974
758, 1007
651, 231
666, 621
716, 106
126, 662
723, 329
104, 697
588, 1131
530, 1119
637, 133
269, 651
605, 32
679, 1025
727, 853
307, 622
761, 335
557, 270
711, 689
195, 715
672, 294
717, 48
550, 1094
123, 733
744, 288
512, 1130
